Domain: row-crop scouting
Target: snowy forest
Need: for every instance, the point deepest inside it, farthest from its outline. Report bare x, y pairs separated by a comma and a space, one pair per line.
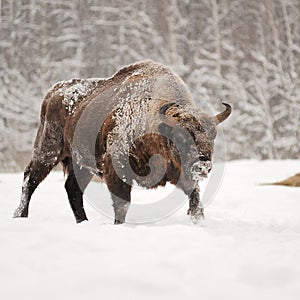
246, 53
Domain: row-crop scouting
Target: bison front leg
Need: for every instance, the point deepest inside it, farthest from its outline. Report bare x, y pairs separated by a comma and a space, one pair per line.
120, 208
195, 206
121, 196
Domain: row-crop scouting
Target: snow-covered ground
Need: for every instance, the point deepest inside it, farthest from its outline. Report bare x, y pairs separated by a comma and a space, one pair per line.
248, 247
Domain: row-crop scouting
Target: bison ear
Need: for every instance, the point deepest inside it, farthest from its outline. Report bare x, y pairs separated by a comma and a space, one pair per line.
162, 114
165, 130
219, 118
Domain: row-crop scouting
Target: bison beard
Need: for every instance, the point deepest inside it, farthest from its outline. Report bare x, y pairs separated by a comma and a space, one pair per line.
139, 125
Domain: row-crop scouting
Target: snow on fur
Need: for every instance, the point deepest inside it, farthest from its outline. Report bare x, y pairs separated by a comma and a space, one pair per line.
75, 90
130, 116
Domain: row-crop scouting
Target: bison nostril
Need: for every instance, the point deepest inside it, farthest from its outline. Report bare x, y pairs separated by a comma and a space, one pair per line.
202, 158
197, 168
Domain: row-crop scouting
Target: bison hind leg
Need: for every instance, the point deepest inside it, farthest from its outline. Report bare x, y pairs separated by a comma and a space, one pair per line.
77, 181
34, 174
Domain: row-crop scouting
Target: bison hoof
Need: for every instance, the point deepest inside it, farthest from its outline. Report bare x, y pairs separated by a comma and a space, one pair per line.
20, 213
196, 215
79, 220
196, 219
117, 222
80, 216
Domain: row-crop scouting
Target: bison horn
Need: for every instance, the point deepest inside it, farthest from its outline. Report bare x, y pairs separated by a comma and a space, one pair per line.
162, 114
219, 118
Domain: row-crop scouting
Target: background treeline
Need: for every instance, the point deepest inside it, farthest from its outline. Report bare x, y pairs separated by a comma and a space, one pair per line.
243, 52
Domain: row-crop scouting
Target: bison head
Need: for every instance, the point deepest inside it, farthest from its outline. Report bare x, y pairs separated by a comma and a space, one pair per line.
192, 133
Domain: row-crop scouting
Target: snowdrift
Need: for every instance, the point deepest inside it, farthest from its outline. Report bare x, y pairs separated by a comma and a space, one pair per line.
248, 247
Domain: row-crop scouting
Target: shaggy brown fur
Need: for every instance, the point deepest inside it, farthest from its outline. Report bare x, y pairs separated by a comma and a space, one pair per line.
143, 117
291, 181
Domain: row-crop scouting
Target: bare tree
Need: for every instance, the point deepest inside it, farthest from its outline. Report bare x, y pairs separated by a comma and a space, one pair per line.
243, 52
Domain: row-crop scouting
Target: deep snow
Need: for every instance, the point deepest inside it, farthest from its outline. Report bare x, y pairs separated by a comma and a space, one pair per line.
248, 247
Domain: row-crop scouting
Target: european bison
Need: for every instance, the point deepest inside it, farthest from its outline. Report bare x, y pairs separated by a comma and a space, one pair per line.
140, 124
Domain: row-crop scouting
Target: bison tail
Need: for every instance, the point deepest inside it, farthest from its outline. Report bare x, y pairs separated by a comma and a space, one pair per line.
66, 166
